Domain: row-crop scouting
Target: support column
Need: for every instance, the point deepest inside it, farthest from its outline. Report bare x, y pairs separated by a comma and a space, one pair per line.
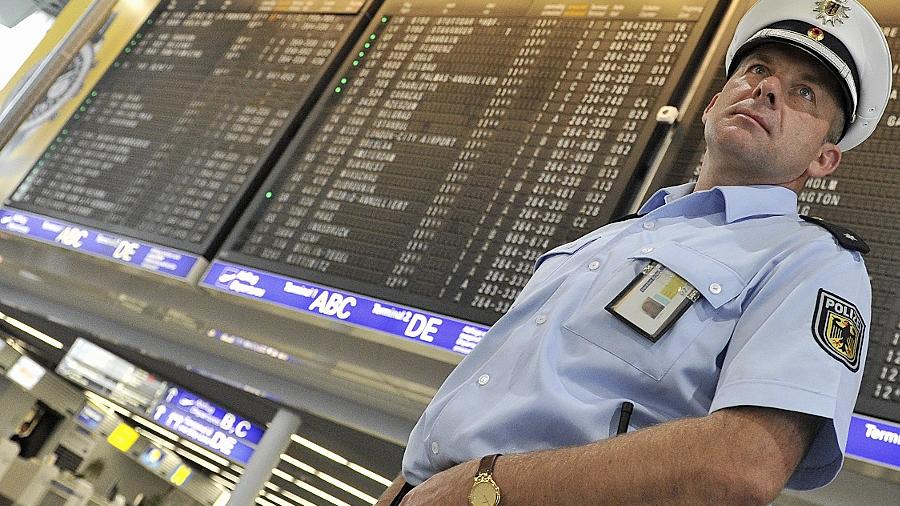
265, 458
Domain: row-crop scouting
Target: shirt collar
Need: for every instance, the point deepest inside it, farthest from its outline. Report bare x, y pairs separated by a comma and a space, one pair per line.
739, 201
666, 196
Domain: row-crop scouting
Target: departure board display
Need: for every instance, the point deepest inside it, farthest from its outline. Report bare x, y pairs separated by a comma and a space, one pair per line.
462, 140
171, 141
114, 378
860, 195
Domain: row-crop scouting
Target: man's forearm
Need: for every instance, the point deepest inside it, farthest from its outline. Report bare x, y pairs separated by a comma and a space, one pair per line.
736, 456
391, 492
725, 458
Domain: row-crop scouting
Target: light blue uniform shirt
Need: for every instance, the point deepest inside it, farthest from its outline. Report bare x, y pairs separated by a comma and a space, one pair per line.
555, 369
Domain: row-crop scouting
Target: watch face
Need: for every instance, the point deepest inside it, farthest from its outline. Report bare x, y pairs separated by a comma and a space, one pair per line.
484, 494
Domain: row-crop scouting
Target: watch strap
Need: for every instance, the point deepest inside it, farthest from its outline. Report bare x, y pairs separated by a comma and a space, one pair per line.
486, 466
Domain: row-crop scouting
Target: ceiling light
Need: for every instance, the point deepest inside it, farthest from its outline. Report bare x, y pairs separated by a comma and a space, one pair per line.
329, 479
106, 403
28, 329
341, 460
223, 498
309, 488
297, 499
230, 476
155, 427
276, 499
190, 456
156, 439
225, 483
202, 451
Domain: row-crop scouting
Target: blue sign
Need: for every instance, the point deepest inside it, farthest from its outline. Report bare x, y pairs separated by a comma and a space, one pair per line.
436, 330
194, 418
874, 440
148, 257
89, 418
202, 409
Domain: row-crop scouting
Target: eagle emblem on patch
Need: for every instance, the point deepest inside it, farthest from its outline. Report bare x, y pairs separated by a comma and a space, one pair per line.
838, 328
830, 12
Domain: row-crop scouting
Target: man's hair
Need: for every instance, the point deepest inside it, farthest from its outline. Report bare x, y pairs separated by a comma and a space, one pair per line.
837, 128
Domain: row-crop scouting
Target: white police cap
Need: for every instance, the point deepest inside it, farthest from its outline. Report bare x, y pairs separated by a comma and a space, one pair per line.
839, 33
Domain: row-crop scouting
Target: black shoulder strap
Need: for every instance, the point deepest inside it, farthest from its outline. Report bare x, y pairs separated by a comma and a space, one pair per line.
623, 218
844, 236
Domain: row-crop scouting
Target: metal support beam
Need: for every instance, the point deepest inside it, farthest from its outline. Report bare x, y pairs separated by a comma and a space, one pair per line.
265, 458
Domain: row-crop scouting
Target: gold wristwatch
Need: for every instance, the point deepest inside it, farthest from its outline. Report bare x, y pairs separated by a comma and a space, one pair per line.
485, 491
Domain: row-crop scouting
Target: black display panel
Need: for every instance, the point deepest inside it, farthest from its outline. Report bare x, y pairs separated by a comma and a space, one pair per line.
463, 139
861, 195
183, 126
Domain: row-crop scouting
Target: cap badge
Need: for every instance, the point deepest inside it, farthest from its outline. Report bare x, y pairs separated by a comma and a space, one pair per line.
816, 34
831, 12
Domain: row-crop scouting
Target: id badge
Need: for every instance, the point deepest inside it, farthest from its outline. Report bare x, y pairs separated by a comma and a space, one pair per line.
653, 301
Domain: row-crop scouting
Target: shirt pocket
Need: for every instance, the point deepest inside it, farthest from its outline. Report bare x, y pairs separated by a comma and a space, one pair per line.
718, 284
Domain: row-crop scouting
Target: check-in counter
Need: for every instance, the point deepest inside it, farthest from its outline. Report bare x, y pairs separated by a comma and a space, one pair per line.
26, 481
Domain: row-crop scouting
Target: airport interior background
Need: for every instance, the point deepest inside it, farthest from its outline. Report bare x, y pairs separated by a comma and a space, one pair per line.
242, 242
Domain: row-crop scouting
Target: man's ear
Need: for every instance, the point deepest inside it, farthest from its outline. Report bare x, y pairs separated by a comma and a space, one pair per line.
826, 162
709, 106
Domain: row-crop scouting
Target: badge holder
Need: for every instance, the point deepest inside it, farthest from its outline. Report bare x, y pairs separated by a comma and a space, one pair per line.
653, 301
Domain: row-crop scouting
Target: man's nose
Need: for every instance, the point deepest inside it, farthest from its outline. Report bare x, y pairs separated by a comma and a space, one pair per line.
769, 91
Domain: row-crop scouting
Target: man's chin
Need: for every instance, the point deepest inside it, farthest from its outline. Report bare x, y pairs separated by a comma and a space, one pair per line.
738, 139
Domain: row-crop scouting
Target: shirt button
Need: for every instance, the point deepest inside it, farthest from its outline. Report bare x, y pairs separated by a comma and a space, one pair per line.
484, 379
435, 449
540, 319
646, 250
594, 265
715, 289
649, 225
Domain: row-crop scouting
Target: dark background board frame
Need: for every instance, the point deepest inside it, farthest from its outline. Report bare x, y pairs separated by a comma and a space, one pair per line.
354, 12
860, 195
632, 169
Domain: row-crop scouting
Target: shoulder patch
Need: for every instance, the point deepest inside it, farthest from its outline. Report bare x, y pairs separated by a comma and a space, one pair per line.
624, 218
844, 236
838, 328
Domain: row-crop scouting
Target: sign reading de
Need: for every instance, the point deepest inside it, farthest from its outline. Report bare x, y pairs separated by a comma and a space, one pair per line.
197, 419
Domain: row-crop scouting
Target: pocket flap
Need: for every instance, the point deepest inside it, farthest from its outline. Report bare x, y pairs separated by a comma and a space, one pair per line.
565, 249
715, 281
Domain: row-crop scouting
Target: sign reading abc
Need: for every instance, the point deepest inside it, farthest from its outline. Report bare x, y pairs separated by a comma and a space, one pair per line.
195, 418
436, 330
148, 257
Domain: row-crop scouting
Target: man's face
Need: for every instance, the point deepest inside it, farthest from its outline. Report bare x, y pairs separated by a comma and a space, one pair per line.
770, 121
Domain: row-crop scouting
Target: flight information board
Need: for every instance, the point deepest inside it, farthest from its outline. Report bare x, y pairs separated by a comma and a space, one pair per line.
860, 195
183, 125
116, 379
461, 140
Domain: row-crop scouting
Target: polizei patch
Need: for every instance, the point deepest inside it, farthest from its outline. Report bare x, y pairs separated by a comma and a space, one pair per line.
838, 328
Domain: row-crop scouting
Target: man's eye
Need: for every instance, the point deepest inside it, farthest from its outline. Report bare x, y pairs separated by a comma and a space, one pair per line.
807, 93
757, 69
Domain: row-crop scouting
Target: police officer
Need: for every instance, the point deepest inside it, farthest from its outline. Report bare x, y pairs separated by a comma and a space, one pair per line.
723, 332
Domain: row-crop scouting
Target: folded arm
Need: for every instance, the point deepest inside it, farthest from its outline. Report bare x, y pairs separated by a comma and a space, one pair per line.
742, 455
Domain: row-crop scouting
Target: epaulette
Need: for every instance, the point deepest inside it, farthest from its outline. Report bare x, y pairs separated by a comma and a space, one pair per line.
623, 218
844, 236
